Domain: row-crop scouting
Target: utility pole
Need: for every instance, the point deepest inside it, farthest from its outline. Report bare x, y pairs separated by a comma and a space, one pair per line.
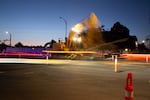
65, 21
10, 36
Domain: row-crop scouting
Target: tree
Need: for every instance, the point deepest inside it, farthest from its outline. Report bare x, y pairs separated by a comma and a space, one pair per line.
142, 47
103, 28
19, 44
2, 47
120, 32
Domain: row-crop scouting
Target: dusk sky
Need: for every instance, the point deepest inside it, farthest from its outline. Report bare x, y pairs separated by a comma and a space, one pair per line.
35, 22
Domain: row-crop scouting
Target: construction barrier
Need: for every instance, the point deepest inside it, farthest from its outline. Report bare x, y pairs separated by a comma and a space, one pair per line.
147, 59
129, 93
47, 57
116, 63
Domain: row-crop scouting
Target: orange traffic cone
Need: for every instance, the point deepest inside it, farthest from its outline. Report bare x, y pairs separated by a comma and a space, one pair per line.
129, 88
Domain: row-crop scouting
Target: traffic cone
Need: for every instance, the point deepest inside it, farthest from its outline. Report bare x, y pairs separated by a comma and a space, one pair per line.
129, 94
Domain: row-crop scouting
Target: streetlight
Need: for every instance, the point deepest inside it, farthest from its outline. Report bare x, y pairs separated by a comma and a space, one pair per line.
10, 37
136, 44
77, 40
143, 41
74, 39
65, 27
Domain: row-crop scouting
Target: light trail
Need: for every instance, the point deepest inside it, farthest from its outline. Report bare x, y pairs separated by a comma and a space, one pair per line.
76, 52
21, 54
142, 57
56, 61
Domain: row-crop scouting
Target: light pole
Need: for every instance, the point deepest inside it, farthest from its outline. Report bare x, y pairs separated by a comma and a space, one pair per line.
9, 37
65, 27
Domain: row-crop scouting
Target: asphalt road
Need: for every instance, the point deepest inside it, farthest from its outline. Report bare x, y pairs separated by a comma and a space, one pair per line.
72, 81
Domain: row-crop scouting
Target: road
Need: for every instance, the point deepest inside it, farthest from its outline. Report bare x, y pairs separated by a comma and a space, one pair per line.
72, 80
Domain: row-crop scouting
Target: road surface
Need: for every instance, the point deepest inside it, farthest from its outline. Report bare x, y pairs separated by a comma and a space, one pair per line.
72, 80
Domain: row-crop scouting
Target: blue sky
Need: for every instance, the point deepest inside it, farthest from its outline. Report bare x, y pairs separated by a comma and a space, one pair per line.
35, 22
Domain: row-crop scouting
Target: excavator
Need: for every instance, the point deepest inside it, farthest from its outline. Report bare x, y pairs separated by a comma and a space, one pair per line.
72, 47
78, 45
